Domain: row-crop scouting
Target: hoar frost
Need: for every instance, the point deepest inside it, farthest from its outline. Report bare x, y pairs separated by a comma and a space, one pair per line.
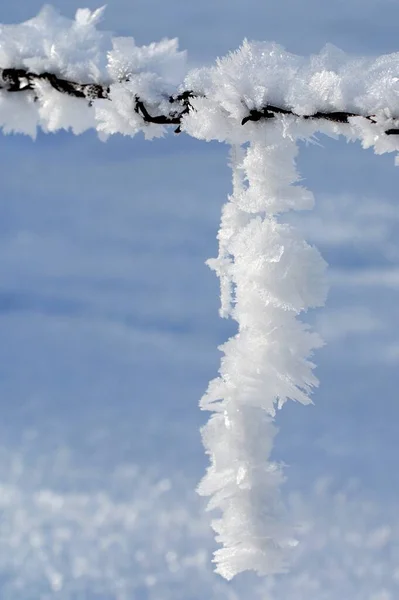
269, 275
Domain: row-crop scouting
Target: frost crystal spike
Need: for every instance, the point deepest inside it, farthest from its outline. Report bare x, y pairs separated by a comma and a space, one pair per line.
61, 74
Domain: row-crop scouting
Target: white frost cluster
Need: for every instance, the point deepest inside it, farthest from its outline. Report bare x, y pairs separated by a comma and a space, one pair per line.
256, 74
75, 50
269, 275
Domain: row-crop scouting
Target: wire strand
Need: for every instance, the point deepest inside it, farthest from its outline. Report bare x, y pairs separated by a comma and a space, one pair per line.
15, 80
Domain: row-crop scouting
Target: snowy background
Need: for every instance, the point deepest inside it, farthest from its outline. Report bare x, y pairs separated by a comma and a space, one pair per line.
109, 333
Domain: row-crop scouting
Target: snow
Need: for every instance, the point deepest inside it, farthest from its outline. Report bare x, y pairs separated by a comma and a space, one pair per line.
78, 530
269, 275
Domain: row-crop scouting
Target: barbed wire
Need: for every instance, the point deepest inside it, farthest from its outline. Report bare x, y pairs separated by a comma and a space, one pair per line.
270, 111
21, 80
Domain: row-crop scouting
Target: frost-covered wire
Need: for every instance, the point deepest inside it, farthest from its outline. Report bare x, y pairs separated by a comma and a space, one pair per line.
21, 80
57, 73
62, 74
269, 276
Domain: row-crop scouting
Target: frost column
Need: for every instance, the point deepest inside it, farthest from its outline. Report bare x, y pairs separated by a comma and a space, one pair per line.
269, 275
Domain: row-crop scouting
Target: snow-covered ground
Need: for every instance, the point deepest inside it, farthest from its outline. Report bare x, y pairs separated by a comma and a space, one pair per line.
71, 530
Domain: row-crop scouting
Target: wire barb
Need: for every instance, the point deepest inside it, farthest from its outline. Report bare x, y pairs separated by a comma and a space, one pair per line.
174, 118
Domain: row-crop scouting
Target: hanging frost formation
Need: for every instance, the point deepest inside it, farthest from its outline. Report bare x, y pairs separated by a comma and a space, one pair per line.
269, 275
